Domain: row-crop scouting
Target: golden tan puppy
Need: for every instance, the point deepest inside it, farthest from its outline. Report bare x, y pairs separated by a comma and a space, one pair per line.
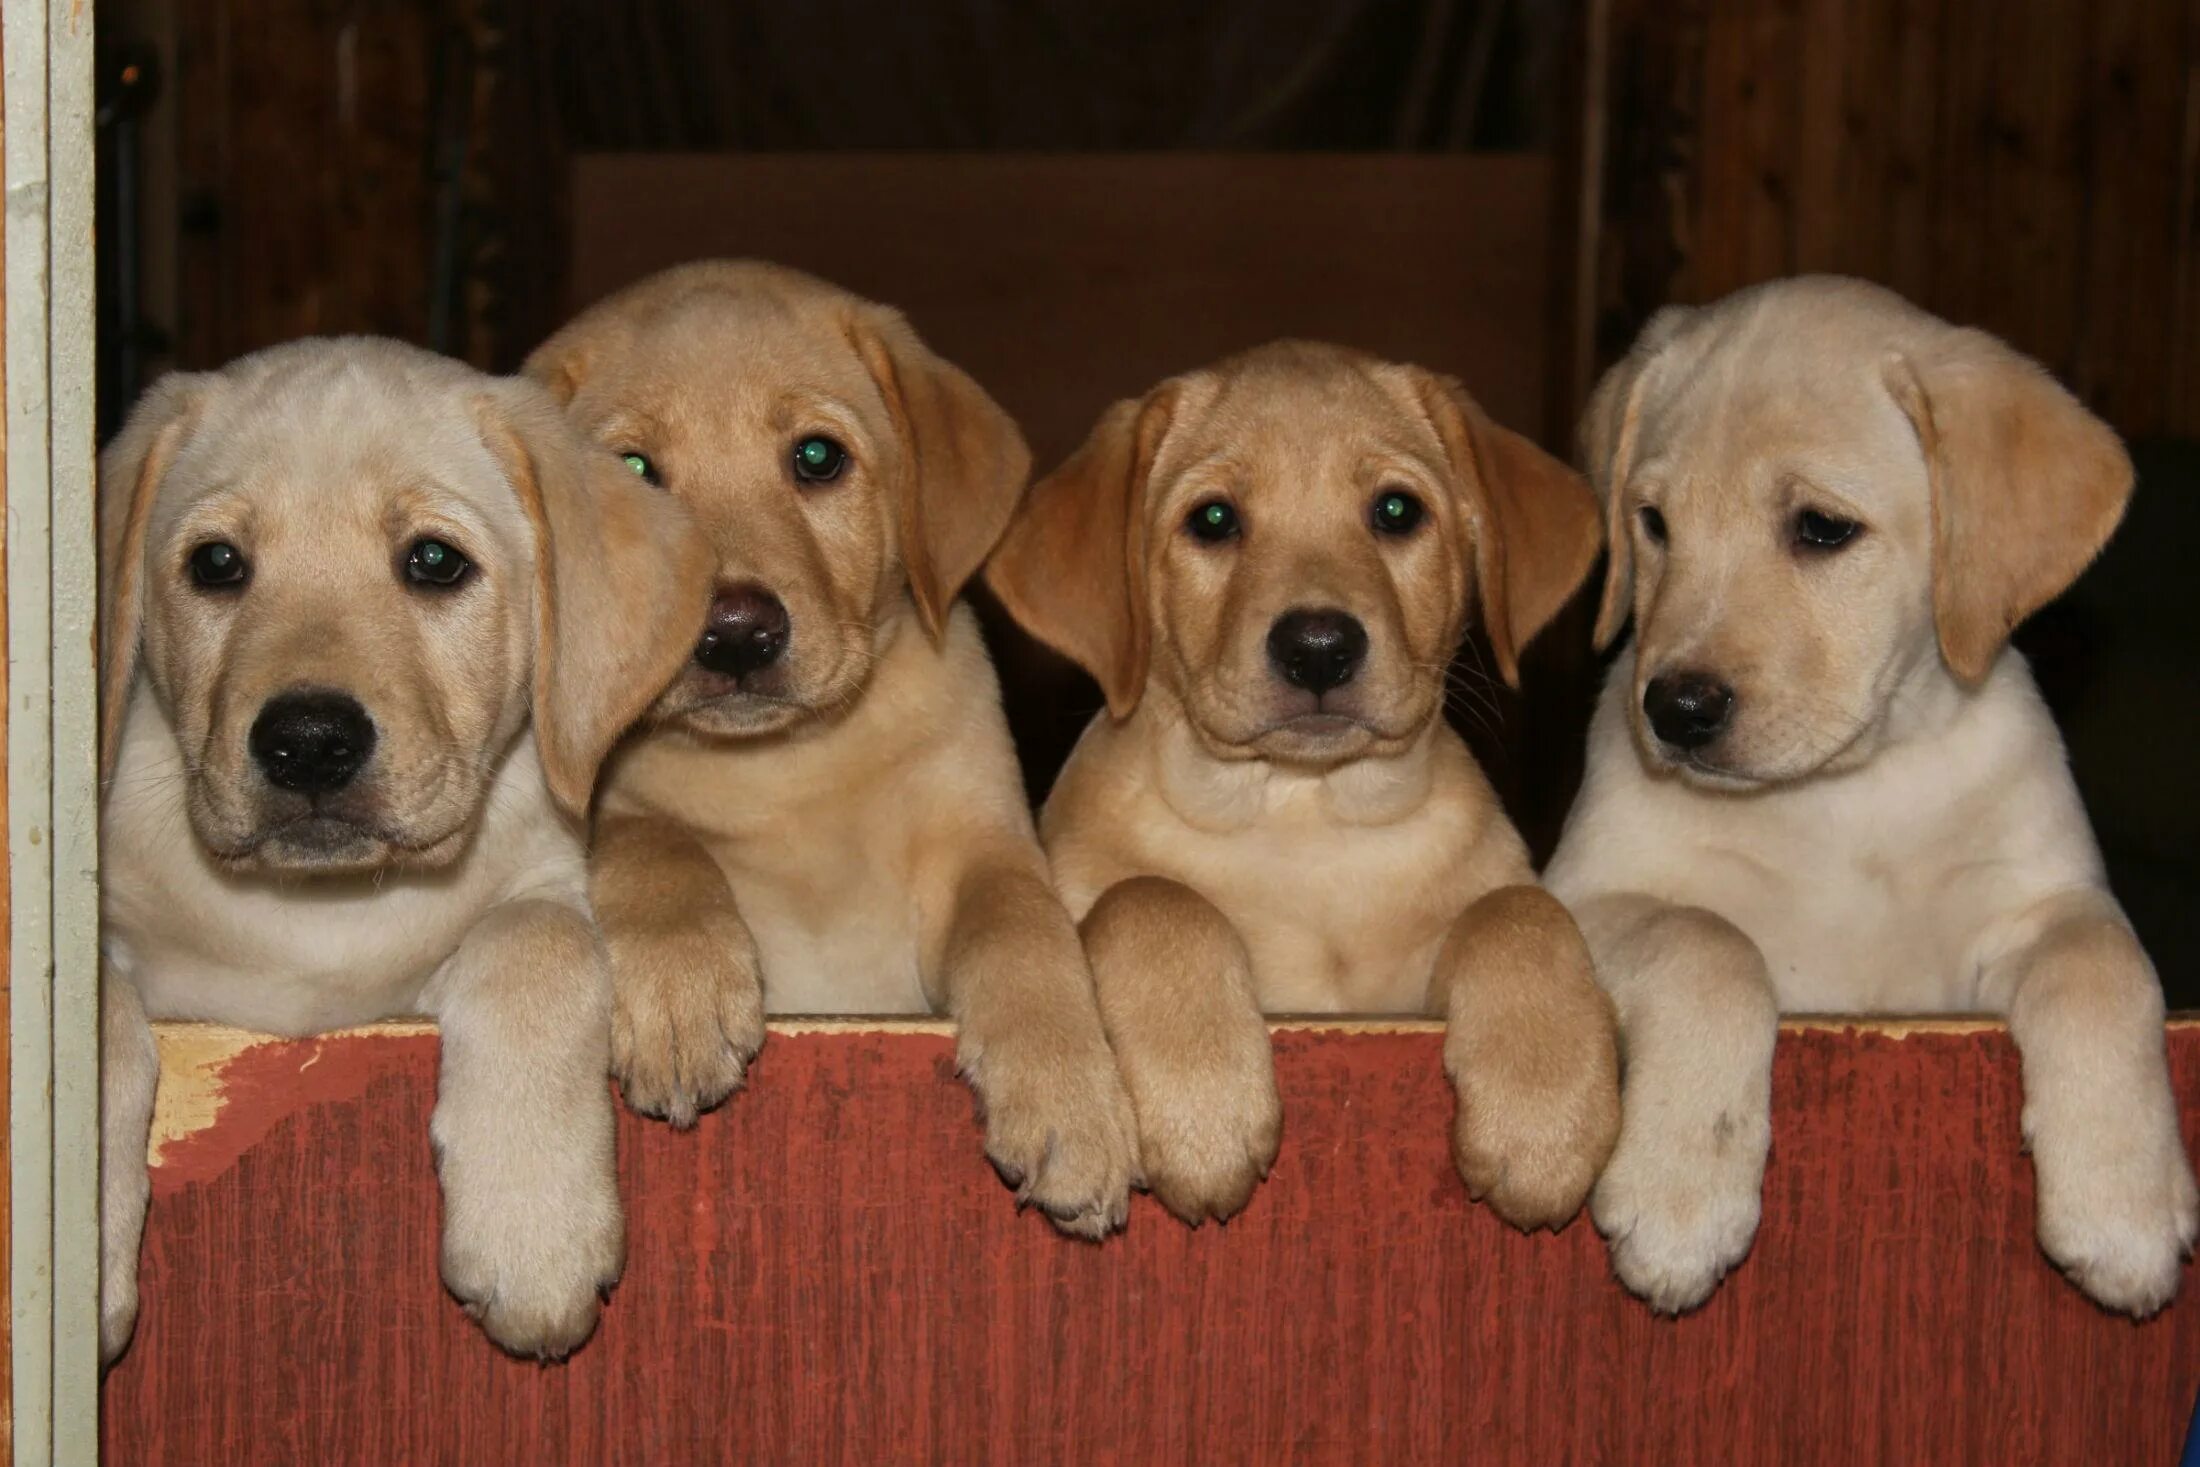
1818, 781
834, 752
369, 622
1268, 565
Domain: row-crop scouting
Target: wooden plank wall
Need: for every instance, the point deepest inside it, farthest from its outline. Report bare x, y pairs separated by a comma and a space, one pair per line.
2029, 166
304, 196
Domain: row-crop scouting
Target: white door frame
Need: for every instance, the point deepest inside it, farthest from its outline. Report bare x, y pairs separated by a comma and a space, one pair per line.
52, 730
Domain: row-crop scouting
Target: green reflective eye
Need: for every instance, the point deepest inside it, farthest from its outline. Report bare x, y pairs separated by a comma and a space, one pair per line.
434, 563
819, 460
643, 469
1396, 512
218, 563
1212, 521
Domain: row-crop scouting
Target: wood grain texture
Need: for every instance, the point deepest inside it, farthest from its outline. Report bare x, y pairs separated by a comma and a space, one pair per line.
2027, 166
301, 138
825, 1271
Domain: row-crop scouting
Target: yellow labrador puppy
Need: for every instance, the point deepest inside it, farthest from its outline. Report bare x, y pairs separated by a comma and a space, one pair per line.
824, 814
1819, 781
1268, 565
369, 622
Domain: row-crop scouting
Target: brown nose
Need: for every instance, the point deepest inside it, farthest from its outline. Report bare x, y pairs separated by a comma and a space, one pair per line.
745, 632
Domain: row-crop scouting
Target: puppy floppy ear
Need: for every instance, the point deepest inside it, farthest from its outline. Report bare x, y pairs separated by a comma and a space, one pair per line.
621, 585
560, 364
1072, 568
1607, 450
2027, 487
130, 474
1532, 520
963, 462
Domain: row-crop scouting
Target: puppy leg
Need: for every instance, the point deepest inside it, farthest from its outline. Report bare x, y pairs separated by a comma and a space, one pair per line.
1530, 1046
1176, 993
2117, 1205
129, 1074
1680, 1199
688, 1003
532, 1235
1058, 1125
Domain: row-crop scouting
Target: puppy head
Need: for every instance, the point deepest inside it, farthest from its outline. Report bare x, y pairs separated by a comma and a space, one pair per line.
348, 571
1813, 490
1288, 543
842, 473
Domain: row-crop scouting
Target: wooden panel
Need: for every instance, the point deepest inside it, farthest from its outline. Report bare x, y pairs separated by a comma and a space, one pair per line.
2023, 165
7, 1200
1063, 282
826, 1271
302, 138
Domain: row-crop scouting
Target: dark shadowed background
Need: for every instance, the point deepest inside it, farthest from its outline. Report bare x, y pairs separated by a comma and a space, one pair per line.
1075, 197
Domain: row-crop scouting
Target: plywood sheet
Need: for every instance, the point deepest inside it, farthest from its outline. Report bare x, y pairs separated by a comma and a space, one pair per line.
825, 1271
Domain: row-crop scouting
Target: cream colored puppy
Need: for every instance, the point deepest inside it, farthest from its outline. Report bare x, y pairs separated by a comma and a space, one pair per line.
369, 622
825, 814
1819, 781
1268, 565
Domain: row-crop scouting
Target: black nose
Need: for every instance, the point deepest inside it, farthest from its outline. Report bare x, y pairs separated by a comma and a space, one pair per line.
745, 633
1317, 650
312, 742
1688, 709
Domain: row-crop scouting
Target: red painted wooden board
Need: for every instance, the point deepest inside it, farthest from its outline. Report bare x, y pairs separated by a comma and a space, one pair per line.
826, 1271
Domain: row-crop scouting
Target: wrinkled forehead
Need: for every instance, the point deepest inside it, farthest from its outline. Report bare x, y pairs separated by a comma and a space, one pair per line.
1293, 430
323, 456
736, 362
1747, 418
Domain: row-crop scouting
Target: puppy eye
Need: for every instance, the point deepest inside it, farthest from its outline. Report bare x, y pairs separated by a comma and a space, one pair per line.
1653, 523
643, 469
1816, 531
1213, 521
819, 460
435, 563
1396, 512
218, 564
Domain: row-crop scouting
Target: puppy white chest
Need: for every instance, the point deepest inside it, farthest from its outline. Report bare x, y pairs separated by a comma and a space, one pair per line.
1881, 889
1334, 922
833, 936
1343, 885
299, 954
818, 865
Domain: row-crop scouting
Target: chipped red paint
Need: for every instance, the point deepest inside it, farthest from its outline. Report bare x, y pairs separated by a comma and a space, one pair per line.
826, 1271
268, 1083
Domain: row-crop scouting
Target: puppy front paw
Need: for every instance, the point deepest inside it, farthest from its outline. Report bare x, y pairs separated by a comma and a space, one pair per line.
1679, 1203
1058, 1125
125, 1189
1538, 1109
688, 1014
1207, 1134
118, 1309
534, 1263
533, 1237
1532, 1154
2118, 1215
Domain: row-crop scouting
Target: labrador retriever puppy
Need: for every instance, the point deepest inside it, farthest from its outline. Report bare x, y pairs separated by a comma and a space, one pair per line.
824, 813
1820, 781
369, 621
1268, 565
